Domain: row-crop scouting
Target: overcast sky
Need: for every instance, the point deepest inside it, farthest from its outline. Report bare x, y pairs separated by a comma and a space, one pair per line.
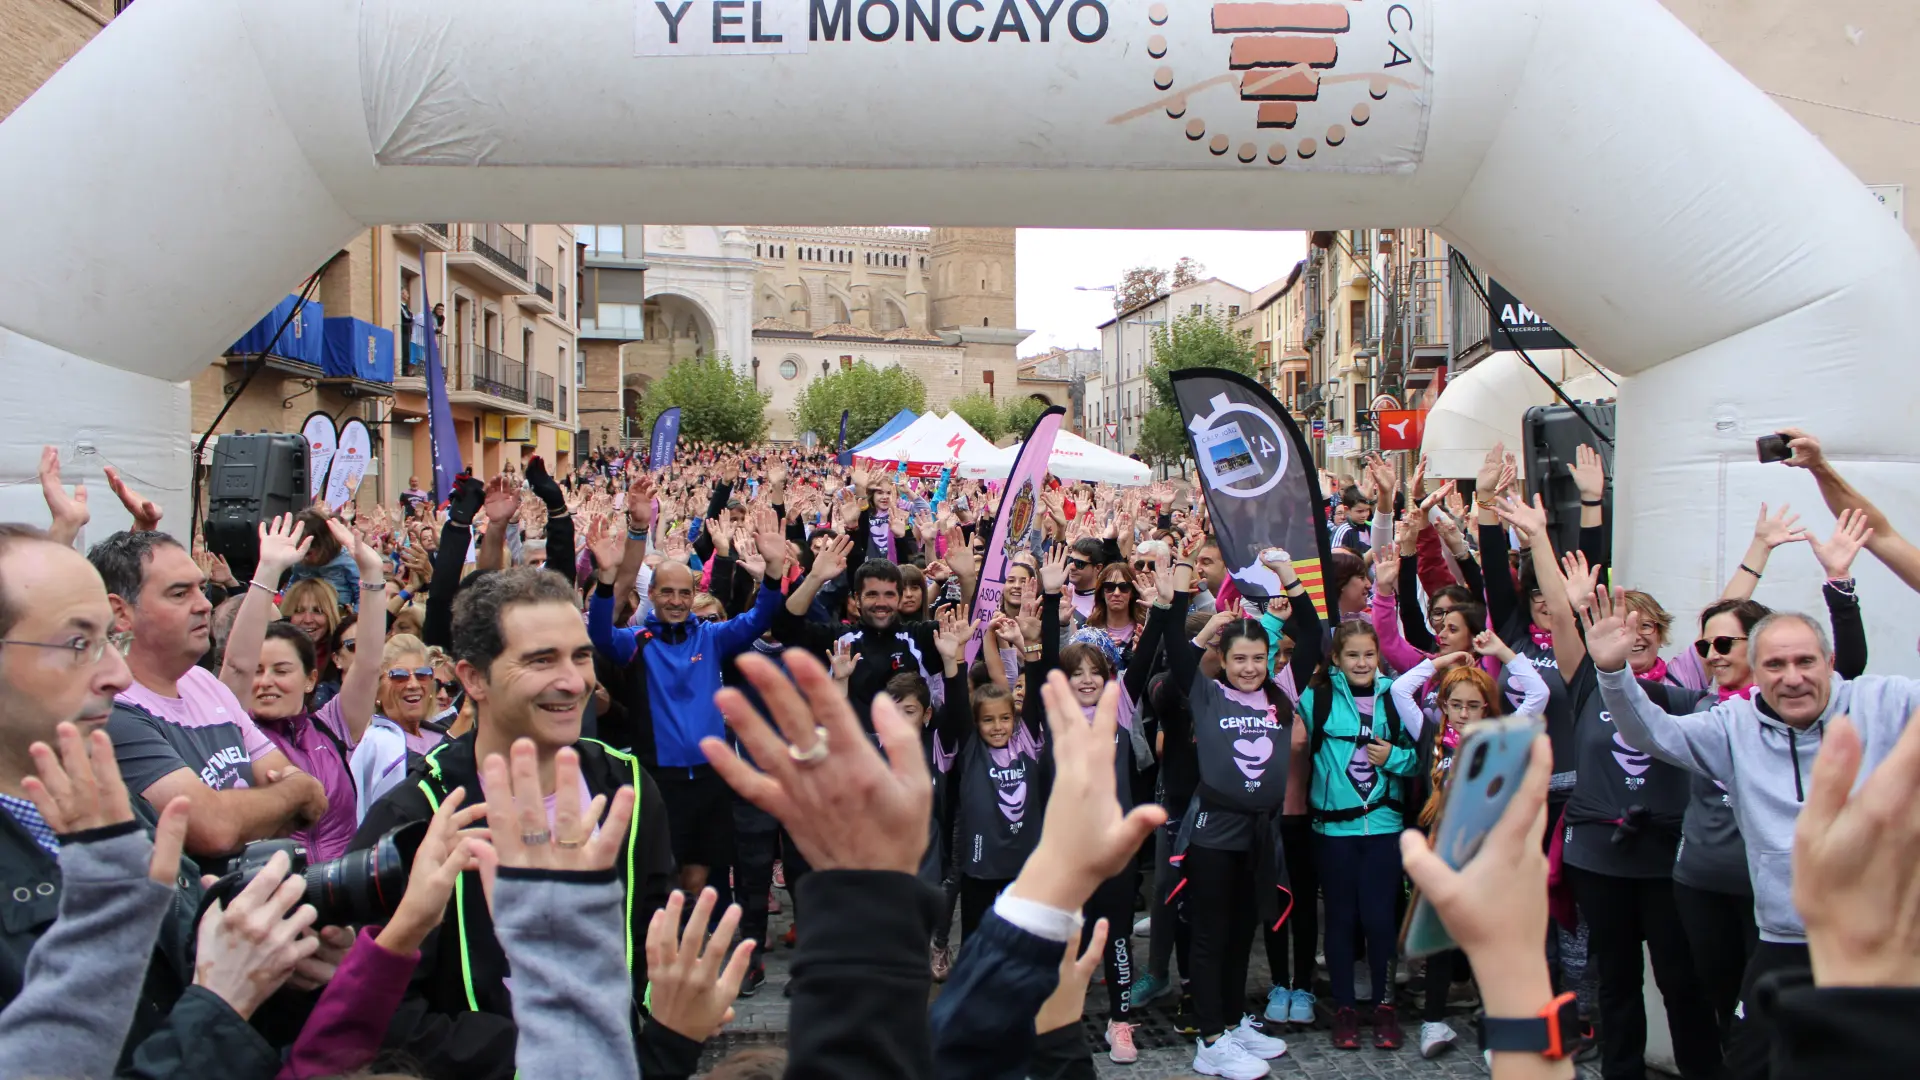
1053, 261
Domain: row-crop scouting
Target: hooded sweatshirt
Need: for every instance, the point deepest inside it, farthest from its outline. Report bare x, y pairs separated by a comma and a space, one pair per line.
1765, 764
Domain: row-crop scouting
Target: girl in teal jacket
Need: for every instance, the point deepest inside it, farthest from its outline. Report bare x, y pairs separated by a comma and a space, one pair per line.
1362, 759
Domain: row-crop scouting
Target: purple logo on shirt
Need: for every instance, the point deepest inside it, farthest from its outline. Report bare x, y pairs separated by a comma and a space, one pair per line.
1632, 762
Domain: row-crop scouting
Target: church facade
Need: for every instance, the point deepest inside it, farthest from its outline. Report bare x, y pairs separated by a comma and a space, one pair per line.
792, 304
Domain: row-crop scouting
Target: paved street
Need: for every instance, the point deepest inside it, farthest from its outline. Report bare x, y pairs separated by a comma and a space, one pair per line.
762, 1020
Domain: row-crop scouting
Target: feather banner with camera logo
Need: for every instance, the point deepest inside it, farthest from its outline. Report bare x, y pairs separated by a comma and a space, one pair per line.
1019, 505
1260, 482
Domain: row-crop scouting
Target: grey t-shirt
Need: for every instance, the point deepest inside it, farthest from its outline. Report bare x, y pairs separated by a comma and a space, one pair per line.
205, 729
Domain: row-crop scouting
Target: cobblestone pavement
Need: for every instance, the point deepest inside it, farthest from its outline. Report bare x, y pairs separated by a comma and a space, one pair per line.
762, 1021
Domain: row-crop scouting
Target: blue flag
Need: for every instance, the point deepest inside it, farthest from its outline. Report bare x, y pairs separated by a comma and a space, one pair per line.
666, 435
447, 462
840, 451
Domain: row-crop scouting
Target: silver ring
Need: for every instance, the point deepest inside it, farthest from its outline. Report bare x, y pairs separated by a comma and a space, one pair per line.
535, 839
813, 755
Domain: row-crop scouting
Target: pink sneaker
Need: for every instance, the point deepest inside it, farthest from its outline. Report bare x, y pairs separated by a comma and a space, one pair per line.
1120, 1049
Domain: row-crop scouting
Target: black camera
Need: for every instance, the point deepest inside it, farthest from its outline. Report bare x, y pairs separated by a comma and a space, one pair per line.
360, 888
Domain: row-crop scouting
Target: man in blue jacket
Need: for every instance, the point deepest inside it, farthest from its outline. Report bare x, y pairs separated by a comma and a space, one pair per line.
672, 665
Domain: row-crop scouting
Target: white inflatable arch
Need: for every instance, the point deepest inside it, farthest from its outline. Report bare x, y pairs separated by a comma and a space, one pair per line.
200, 156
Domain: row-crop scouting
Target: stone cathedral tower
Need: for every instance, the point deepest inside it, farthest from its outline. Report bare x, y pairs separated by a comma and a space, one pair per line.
970, 286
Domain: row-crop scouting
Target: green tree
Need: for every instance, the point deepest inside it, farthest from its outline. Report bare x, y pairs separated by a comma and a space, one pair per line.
717, 402
1203, 340
1019, 414
870, 397
1163, 442
982, 413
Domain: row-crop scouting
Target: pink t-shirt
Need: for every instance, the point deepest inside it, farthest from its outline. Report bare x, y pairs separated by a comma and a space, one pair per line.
206, 726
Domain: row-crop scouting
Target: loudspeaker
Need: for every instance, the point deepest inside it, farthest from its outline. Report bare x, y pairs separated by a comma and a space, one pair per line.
254, 478
1553, 432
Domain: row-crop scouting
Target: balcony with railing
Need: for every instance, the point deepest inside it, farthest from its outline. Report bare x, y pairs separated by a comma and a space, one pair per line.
495, 254
543, 386
493, 374
432, 237
541, 298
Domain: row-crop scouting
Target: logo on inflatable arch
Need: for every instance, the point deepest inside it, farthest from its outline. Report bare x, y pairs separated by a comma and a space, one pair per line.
1313, 80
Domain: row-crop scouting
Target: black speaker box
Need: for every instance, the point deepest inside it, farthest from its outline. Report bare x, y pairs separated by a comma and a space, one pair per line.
254, 478
1553, 432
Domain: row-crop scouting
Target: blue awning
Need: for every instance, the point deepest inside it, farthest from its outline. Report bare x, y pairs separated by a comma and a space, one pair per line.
900, 422
302, 340
358, 350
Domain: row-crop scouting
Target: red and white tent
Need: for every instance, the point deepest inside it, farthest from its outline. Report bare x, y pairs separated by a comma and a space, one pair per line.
1073, 458
929, 444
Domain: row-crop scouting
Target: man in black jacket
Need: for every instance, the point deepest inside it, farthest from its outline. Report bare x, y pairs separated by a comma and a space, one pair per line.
522, 655
882, 645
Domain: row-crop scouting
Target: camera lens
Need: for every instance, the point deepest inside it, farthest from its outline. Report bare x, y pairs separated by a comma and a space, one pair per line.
359, 888
1477, 762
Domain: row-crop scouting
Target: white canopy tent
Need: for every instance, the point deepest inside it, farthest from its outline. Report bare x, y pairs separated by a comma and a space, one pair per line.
1073, 458
929, 444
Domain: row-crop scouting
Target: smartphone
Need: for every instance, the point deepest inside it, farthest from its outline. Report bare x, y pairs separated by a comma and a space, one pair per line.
1773, 448
1488, 767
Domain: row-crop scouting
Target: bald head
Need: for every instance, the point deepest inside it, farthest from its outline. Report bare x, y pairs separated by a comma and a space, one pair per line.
54, 610
671, 592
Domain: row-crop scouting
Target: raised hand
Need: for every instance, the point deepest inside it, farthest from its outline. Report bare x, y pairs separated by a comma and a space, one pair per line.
1452, 660
843, 662
1386, 569
372, 567
608, 545
146, 513
1837, 552
1069, 999
640, 496
502, 503
1488, 643
749, 558
1806, 449
69, 512
1085, 838
846, 806
771, 542
1008, 631
1581, 579
79, 788
690, 993
1781, 528
1588, 473
831, 561
1053, 571
951, 638
1147, 585
1529, 519
517, 817
1611, 630
283, 542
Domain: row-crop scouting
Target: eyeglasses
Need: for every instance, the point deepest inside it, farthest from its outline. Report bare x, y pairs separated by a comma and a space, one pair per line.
85, 651
1115, 586
1722, 645
400, 674
1471, 708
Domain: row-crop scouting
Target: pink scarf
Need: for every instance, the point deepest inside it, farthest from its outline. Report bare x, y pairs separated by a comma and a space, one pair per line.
1745, 693
1656, 673
1542, 638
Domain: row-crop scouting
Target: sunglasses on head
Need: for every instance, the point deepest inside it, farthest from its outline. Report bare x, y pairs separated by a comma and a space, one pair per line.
1722, 645
400, 674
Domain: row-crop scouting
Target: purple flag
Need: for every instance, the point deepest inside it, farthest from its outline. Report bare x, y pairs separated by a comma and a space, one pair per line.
447, 463
1018, 509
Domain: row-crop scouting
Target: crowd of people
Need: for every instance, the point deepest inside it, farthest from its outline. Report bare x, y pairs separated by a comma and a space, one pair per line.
604, 719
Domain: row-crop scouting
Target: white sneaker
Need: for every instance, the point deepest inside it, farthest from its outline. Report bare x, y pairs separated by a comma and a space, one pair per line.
1258, 1043
1226, 1057
1435, 1037
1143, 927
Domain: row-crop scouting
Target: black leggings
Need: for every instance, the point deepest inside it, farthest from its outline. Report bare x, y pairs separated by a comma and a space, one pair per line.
1113, 901
1302, 928
1721, 934
754, 850
1621, 913
976, 899
1219, 894
1443, 970
1360, 876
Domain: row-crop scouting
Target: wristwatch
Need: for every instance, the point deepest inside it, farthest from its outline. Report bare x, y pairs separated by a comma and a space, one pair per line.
1552, 1034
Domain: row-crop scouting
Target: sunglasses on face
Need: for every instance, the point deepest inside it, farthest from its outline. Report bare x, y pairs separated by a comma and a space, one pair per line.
1115, 586
1722, 645
1142, 567
347, 645
401, 675
1078, 564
